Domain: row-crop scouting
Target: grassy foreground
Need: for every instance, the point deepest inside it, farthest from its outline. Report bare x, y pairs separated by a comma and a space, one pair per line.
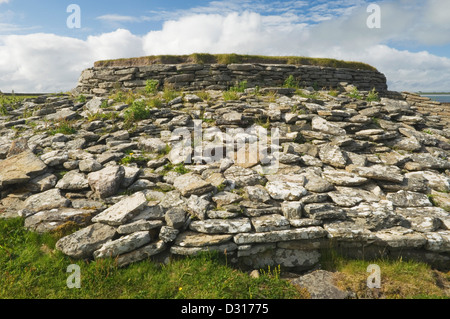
30, 268
205, 58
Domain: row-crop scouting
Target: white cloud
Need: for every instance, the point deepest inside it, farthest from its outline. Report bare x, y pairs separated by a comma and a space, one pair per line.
49, 63
117, 18
4, 1
46, 62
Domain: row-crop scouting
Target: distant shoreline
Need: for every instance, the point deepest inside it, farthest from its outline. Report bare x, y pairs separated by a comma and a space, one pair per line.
434, 93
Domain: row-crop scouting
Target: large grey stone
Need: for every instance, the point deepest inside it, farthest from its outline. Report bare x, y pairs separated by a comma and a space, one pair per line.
107, 181
219, 226
175, 217
192, 184
141, 253
20, 168
73, 181
46, 201
343, 178
268, 223
51, 220
286, 190
191, 239
258, 193
198, 207
84, 242
320, 285
381, 172
280, 235
226, 198
243, 177
123, 211
123, 245
333, 155
323, 211
409, 199
322, 125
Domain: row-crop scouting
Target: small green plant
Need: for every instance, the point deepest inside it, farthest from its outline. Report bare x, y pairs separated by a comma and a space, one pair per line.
81, 99
136, 112
263, 123
291, 82
64, 127
239, 88
372, 96
180, 168
428, 131
333, 93
302, 93
104, 104
155, 103
355, 94
205, 96
230, 96
151, 86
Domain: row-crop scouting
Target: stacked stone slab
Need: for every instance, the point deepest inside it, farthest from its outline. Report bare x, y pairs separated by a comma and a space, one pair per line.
368, 179
100, 80
436, 111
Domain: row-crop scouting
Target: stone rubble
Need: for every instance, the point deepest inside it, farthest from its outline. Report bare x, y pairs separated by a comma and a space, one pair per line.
363, 176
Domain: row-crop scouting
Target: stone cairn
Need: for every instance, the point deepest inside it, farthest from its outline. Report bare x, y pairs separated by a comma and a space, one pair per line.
368, 179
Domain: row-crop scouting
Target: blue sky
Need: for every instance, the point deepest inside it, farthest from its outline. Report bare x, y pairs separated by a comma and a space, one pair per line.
38, 52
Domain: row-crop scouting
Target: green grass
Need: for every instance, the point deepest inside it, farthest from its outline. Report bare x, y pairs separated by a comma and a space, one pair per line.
11, 102
30, 268
400, 279
203, 58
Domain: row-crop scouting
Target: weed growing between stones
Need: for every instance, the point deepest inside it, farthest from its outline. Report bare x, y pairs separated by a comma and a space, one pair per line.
65, 127
372, 96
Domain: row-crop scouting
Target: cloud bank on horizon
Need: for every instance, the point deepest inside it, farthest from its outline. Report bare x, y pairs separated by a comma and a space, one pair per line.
411, 47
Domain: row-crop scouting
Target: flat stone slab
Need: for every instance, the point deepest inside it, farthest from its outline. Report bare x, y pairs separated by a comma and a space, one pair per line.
281, 235
219, 226
46, 201
191, 239
141, 253
47, 221
382, 173
20, 168
123, 245
399, 237
343, 178
192, 251
84, 242
268, 223
286, 190
192, 184
123, 211
409, 199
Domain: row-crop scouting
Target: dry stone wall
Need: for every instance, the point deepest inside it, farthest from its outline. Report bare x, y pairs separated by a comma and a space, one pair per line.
368, 179
100, 80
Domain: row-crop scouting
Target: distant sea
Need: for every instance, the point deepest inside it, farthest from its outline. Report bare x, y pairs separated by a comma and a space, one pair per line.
443, 98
